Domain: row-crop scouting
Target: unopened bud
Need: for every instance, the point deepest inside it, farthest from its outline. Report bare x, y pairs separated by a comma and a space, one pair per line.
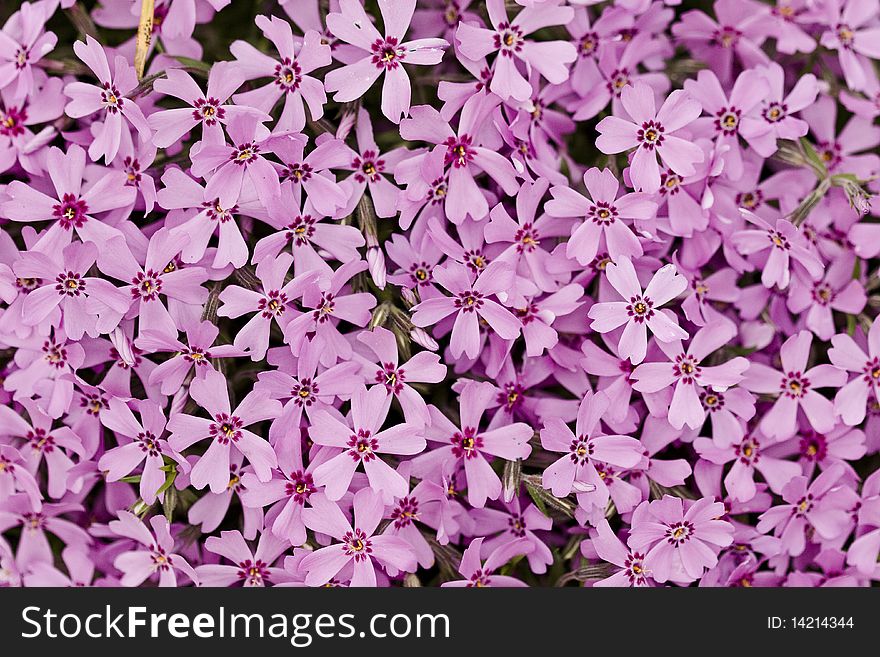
376, 260
179, 399
123, 346
421, 338
409, 295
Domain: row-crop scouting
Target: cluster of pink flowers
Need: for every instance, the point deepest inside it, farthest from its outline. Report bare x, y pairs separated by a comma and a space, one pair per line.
440, 293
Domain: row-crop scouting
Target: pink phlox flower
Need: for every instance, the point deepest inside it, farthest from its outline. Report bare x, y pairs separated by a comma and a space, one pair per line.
640, 310
678, 543
275, 302
382, 368
23, 43
249, 568
603, 214
846, 354
692, 378
651, 133
85, 304
507, 40
241, 166
631, 564
148, 446
470, 302
479, 574
289, 73
786, 247
324, 306
463, 156
153, 554
734, 116
360, 441
41, 443
809, 507
470, 446
740, 29
796, 388
522, 239
587, 454
108, 97
211, 109
360, 548
854, 35
33, 541
226, 429
73, 207
379, 54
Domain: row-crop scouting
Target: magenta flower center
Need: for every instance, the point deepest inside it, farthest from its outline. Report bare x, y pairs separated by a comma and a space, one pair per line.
111, 98
727, 120
300, 487
469, 301
823, 294
198, 356
588, 44
779, 240
93, 403
391, 377
640, 308
466, 443
325, 308
511, 396
40, 441
301, 230
712, 401
70, 284
726, 36
602, 213
297, 172
686, 368
273, 304
420, 273
617, 81
635, 568
459, 151
679, 532
794, 385
304, 392
55, 354
750, 200
357, 545
225, 428
208, 111
146, 440
508, 39
288, 75
368, 166
748, 451
362, 446
872, 371
845, 34
244, 154
774, 112
387, 53
255, 573
580, 450
650, 135
814, 447
12, 122
70, 212
406, 512
33, 521
527, 238
146, 285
